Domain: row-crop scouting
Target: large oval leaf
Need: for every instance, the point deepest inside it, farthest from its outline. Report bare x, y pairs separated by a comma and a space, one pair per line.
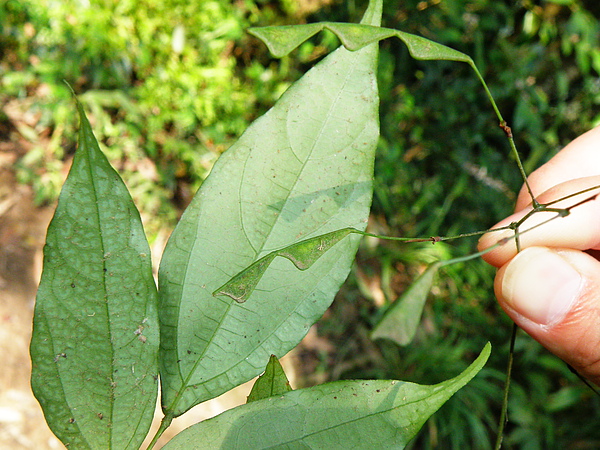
95, 332
301, 170
341, 415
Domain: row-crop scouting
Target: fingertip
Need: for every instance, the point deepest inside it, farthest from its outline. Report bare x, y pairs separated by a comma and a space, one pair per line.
577, 229
554, 295
540, 285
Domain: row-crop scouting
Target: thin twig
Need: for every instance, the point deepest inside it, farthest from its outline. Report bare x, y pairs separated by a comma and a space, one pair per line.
508, 133
584, 380
504, 412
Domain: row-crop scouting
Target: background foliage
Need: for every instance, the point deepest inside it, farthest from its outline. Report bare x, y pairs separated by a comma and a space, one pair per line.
171, 84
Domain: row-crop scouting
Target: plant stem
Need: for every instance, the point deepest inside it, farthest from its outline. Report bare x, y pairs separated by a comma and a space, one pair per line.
432, 239
164, 424
566, 197
503, 413
508, 133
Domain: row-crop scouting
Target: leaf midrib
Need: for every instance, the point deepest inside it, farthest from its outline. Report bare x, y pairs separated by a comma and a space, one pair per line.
90, 140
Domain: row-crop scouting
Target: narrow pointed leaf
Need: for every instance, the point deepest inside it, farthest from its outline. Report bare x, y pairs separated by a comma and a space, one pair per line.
424, 49
271, 383
400, 322
302, 170
283, 39
242, 285
303, 254
344, 414
95, 333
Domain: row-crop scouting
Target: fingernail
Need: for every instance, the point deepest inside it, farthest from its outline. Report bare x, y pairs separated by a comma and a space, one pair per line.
541, 285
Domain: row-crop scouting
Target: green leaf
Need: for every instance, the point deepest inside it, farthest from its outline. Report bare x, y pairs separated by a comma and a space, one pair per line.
344, 414
242, 285
283, 39
302, 170
303, 254
400, 322
95, 332
271, 383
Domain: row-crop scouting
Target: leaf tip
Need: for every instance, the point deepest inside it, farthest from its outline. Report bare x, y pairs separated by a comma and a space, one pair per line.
71, 89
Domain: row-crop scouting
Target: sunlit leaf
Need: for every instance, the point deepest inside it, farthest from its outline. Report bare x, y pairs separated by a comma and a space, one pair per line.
95, 334
401, 320
366, 415
302, 170
271, 383
283, 39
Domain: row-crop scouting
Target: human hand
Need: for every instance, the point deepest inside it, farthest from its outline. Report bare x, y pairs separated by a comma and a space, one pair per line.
551, 289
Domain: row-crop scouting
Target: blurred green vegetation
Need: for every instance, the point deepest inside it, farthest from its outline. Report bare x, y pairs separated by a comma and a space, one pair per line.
170, 84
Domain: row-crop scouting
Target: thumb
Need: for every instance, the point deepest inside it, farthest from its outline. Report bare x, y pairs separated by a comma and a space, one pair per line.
554, 295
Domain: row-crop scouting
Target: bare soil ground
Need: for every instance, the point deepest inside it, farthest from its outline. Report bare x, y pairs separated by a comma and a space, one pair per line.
22, 232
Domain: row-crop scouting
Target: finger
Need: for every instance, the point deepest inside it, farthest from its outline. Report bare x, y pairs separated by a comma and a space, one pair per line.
554, 295
578, 230
579, 159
